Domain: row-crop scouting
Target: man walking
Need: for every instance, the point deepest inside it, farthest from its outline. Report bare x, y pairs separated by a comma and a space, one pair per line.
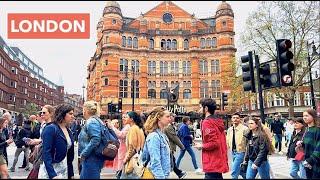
237, 143
214, 145
277, 129
174, 141
186, 139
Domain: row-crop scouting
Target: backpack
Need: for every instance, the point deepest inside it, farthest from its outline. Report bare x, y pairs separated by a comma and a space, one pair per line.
109, 145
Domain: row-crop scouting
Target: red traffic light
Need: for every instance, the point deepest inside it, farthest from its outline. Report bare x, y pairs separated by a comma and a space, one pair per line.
286, 44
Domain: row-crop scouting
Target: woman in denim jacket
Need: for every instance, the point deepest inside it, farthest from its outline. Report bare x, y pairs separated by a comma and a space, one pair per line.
157, 148
89, 140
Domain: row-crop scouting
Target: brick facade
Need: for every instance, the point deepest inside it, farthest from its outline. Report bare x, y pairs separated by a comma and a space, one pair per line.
206, 44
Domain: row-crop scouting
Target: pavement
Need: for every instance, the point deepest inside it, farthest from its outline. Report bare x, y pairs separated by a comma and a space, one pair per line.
278, 162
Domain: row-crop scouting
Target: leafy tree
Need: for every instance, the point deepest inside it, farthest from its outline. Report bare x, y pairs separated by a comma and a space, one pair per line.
30, 109
297, 21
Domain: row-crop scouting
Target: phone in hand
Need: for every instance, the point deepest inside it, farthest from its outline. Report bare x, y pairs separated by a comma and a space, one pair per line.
26, 140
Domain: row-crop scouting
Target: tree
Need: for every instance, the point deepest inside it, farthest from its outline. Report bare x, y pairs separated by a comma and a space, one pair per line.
297, 21
30, 109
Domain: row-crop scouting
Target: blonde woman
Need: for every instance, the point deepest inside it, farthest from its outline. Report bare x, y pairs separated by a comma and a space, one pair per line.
156, 151
134, 142
89, 140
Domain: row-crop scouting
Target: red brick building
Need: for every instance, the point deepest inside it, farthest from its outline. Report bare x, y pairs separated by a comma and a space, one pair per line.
22, 82
165, 46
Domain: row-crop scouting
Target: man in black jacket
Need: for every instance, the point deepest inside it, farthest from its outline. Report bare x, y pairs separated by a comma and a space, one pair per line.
23, 132
277, 129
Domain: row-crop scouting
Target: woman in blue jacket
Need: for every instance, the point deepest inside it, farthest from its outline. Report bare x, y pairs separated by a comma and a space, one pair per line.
58, 146
89, 140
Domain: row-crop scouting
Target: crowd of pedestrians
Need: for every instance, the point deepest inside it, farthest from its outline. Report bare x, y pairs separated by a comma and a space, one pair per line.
148, 142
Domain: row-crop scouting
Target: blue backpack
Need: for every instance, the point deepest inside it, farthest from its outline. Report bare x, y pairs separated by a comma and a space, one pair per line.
109, 145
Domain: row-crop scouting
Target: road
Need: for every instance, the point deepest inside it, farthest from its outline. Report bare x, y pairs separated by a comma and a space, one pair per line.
278, 163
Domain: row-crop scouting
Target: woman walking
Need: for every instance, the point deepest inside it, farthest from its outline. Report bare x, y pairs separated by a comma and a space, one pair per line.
258, 147
3, 145
156, 151
58, 146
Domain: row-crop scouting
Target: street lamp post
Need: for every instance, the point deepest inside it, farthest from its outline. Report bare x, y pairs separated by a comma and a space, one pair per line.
133, 84
83, 93
313, 103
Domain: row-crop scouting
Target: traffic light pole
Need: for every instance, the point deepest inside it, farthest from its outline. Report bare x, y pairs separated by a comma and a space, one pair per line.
313, 103
257, 64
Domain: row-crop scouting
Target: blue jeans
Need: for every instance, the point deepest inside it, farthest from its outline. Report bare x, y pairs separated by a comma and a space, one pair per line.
91, 168
193, 157
264, 170
295, 167
237, 159
278, 139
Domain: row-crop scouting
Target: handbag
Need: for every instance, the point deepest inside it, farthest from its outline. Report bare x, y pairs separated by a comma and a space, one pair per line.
33, 173
300, 152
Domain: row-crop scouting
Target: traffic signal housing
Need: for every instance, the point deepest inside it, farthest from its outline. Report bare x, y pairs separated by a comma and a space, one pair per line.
120, 105
224, 100
267, 80
248, 73
285, 66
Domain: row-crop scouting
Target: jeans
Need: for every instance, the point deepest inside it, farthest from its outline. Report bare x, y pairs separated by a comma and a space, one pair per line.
193, 157
175, 168
213, 175
264, 170
91, 168
278, 139
295, 167
26, 151
237, 159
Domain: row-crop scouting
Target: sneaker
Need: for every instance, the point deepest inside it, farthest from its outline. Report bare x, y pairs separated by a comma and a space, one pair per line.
12, 170
182, 175
198, 171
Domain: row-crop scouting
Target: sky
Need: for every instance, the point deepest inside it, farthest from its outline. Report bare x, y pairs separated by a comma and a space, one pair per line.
68, 58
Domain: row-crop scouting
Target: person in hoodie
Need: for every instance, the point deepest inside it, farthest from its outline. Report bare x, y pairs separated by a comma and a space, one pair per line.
214, 145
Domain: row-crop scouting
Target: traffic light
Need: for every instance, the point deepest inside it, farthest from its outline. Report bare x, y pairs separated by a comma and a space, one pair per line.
248, 73
120, 105
224, 100
109, 107
285, 66
267, 79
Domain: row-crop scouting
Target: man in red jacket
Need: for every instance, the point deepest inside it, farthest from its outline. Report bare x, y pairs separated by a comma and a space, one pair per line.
214, 146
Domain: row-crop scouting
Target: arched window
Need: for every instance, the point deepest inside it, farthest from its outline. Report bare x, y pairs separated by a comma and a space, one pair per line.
215, 66
129, 45
202, 43
161, 68
123, 65
136, 90
215, 84
168, 44
174, 44
186, 44
151, 44
163, 44
203, 65
152, 94
124, 39
204, 89
136, 65
214, 42
208, 42
123, 88
135, 42
163, 94
151, 67
187, 94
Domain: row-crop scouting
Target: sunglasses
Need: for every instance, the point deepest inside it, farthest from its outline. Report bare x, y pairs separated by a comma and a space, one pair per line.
42, 113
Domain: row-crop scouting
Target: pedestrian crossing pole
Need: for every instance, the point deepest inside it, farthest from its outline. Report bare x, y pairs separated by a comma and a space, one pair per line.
261, 108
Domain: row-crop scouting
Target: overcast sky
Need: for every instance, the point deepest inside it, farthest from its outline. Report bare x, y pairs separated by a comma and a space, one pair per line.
69, 58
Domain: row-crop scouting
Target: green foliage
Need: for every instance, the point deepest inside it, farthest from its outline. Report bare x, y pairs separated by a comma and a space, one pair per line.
30, 109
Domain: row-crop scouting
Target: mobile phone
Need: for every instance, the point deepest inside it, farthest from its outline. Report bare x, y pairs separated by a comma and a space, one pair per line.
25, 139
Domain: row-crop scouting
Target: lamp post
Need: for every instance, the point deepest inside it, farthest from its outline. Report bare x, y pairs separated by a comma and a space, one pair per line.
313, 103
83, 93
132, 84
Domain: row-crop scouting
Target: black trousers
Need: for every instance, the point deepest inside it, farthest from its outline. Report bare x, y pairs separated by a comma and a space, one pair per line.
213, 175
175, 168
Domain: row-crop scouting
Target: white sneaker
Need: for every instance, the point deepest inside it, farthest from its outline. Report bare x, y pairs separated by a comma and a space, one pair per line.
198, 171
